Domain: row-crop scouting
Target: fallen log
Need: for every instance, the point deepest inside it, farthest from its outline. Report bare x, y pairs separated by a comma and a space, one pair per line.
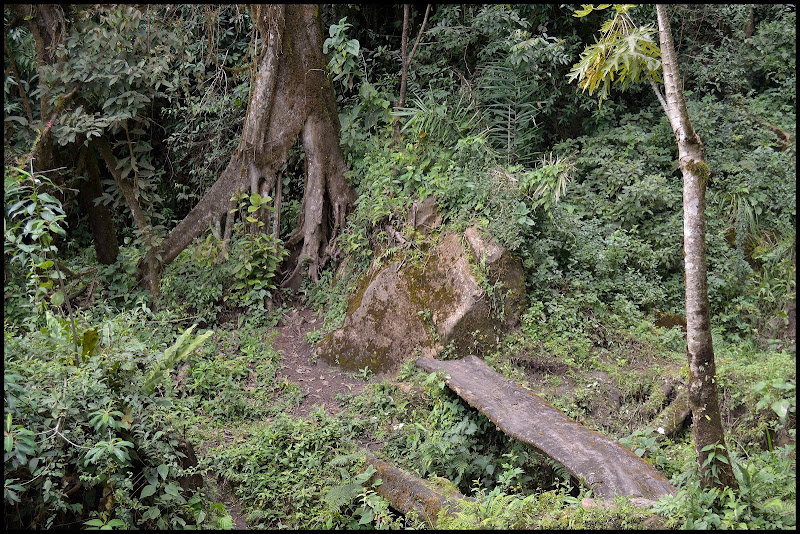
672, 420
603, 464
407, 493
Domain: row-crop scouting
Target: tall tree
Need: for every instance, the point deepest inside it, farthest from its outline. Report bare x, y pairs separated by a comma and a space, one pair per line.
622, 56
405, 61
291, 97
707, 430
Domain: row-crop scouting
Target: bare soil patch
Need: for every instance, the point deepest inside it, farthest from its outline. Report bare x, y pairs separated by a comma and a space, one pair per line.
322, 384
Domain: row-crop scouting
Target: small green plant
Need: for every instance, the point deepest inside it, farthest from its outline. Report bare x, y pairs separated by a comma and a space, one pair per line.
365, 372
254, 257
353, 503
778, 395
104, 523
344, 53
645, 444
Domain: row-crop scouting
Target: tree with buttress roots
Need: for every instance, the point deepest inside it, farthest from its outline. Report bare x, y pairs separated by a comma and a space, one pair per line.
623, 55
291, 96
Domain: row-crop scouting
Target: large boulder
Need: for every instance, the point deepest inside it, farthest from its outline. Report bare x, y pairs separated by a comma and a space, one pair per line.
459, 295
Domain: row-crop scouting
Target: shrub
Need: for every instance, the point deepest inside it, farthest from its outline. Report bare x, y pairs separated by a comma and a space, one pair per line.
90, 437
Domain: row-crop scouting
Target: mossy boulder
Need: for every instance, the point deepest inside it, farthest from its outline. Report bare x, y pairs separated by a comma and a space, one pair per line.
503, 272
450, 297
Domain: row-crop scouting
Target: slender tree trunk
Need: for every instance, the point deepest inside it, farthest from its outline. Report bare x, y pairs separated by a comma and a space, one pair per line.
150, 263
706, 421
751, 21
405, 60
291, 95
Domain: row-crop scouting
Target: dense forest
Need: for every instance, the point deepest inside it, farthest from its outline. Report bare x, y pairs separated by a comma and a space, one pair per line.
196, 196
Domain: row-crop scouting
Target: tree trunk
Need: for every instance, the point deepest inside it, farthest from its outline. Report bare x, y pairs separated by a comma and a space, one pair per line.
290, 95
750, 27
706, 421
150, 264
48, 28
405, 61
105, 239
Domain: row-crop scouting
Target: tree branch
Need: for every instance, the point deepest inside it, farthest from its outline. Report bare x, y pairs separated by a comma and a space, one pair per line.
419, 35
405, 61
660, 97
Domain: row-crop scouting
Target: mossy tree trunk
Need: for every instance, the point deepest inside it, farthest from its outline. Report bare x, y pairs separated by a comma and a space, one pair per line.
706, 421
48, 28
290, 97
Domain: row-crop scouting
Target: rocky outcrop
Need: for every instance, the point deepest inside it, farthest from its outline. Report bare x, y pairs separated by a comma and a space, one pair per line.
463, 293
504, 276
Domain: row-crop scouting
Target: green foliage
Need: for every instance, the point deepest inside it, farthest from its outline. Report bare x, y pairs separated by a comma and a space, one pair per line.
778, 396
344, 53
721, 60
237, 380
552, 509
766, 403
33, 221
19, 131
645, 444
751, 215
354, 504
290, 473
120, 61
204, 132
176, 352
254, 257
93, 435
623, 55
765, 499
512, 93
589, 199
445, 437
211, 277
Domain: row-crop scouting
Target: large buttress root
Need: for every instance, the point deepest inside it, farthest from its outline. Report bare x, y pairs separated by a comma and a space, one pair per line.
325, 203
291, 96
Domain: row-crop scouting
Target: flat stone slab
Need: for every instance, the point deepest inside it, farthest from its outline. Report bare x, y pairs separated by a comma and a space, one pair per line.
603, 464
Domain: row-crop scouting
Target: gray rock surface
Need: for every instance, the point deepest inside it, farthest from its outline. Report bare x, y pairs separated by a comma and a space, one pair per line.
428, 305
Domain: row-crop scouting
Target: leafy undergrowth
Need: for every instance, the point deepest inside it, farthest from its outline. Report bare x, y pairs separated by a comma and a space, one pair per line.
100, 438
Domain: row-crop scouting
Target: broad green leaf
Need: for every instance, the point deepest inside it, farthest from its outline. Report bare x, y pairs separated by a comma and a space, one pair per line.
147, 491
57, 299
781, 408
90, 338
225, 523
163, 470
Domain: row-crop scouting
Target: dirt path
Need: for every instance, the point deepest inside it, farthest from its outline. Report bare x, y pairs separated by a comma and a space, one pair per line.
320, 382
